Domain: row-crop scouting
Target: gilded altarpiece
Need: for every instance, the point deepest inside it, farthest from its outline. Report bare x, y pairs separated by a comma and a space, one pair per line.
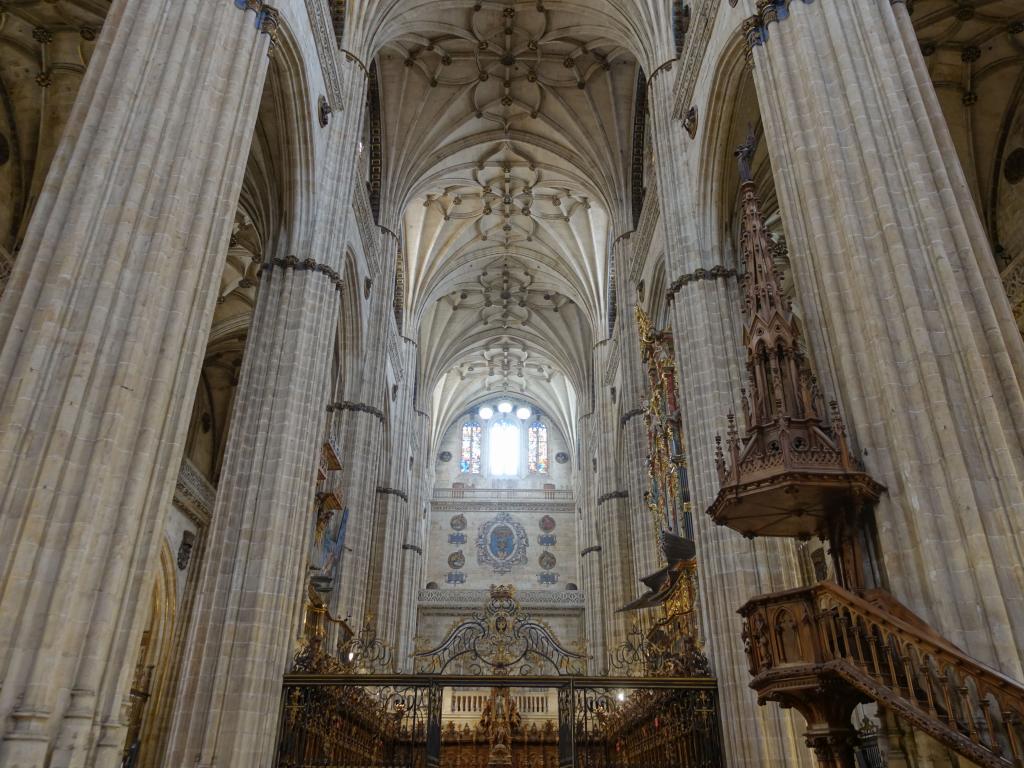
669, 497
672, 644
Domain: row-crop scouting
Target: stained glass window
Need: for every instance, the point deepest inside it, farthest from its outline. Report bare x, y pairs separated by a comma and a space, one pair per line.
470, 458
537, 442
503, 448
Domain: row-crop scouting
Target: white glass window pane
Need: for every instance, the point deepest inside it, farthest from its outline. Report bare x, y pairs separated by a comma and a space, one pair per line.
503, 450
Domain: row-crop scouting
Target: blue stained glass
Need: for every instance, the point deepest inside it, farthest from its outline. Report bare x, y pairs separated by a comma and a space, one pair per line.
469, 461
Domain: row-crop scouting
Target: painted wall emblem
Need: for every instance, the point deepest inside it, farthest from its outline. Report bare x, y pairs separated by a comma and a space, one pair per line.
501, 543
546, 539
456, 538
547, 560
458, 522
547, 523
456, 560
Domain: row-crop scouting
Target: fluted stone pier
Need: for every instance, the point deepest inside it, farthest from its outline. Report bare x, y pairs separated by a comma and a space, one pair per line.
102, 329
248, 615
705, 319
904, 300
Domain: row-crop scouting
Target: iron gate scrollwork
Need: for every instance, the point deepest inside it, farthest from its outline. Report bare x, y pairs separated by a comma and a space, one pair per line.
566, 726
643, 727
372, 724
331, 721
501, 640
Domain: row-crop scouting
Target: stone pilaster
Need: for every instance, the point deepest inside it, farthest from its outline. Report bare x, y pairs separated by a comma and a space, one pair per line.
904, 301
102, 328
248, 614
707, 335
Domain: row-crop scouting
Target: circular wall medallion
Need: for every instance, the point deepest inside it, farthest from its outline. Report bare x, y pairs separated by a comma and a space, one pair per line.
561, 457
1013, 168
547, 560
458, 522
456, 560
501, 543
547, 523
445, 456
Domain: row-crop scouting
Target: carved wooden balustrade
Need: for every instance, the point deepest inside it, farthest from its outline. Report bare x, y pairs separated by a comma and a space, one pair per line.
822, 650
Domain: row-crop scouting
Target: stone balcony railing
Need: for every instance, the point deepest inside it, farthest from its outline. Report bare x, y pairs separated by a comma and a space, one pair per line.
501, 494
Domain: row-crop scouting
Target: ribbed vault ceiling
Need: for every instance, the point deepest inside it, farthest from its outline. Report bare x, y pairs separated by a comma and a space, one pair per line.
508, 131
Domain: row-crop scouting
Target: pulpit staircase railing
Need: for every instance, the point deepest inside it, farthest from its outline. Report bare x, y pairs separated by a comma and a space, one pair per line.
874, 649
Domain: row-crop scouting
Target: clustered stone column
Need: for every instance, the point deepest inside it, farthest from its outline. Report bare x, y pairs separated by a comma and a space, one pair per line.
414, 547
120, 259
252, 585
592, 557
633, 461
365, 422
904, 301
610, 510
393, 508
705, 313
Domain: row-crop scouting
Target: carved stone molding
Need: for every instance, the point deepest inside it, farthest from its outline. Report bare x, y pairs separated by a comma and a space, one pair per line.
631, 414
716, 272
326, 48
369, 233
346, 405
474, 598
395, 356
304, 265
393, 492
1013, 283
268, 18
612, 495
497, 505
194, 494
644, 233
698, 36
613, 363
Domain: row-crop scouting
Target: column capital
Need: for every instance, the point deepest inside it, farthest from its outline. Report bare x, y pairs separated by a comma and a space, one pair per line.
268, 18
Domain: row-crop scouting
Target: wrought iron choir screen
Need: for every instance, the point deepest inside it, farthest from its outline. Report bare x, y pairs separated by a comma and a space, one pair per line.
341, 710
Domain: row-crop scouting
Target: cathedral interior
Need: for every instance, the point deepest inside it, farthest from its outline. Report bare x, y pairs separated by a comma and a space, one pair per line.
523, 383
